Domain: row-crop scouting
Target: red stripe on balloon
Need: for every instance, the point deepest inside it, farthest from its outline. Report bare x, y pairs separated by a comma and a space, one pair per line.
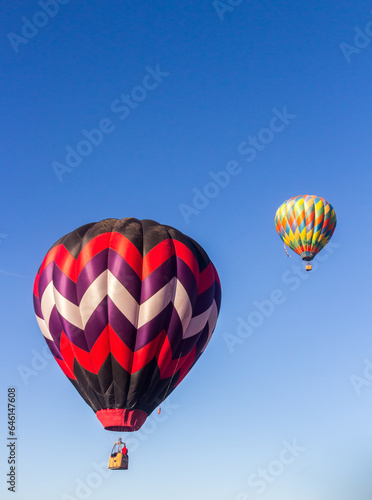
98, 353
186, 365
90, 250
62, 258
157, 256
66, 370
68, 356
120, 351
36, 285
184, 253
126, 249
169, 366
50, 256
207, 278
144, 355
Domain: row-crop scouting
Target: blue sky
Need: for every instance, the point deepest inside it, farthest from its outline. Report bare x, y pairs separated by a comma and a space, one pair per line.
203, 80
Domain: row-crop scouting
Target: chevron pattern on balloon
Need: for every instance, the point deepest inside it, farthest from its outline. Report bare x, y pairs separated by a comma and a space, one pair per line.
126, 305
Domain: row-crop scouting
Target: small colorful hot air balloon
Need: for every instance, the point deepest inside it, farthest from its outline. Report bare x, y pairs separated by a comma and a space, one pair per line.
126, 307
305, 224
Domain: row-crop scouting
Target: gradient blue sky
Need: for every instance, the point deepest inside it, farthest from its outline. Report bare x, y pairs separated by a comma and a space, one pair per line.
290, 380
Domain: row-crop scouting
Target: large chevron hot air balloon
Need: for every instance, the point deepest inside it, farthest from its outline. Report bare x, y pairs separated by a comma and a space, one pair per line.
305, 224
126, 307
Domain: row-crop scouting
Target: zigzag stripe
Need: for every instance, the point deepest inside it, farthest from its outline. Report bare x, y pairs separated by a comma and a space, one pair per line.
173, 292
107, 284
143, 266
196, 326
98, 393
109, 342
72, 267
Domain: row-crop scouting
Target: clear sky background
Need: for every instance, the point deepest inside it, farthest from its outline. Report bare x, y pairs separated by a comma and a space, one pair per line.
302, 379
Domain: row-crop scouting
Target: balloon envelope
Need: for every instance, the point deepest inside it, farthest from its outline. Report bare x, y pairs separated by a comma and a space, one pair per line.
305, 224
126, 307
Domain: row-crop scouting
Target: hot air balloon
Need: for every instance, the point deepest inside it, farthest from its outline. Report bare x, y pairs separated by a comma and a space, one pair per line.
126, 307
305, 224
